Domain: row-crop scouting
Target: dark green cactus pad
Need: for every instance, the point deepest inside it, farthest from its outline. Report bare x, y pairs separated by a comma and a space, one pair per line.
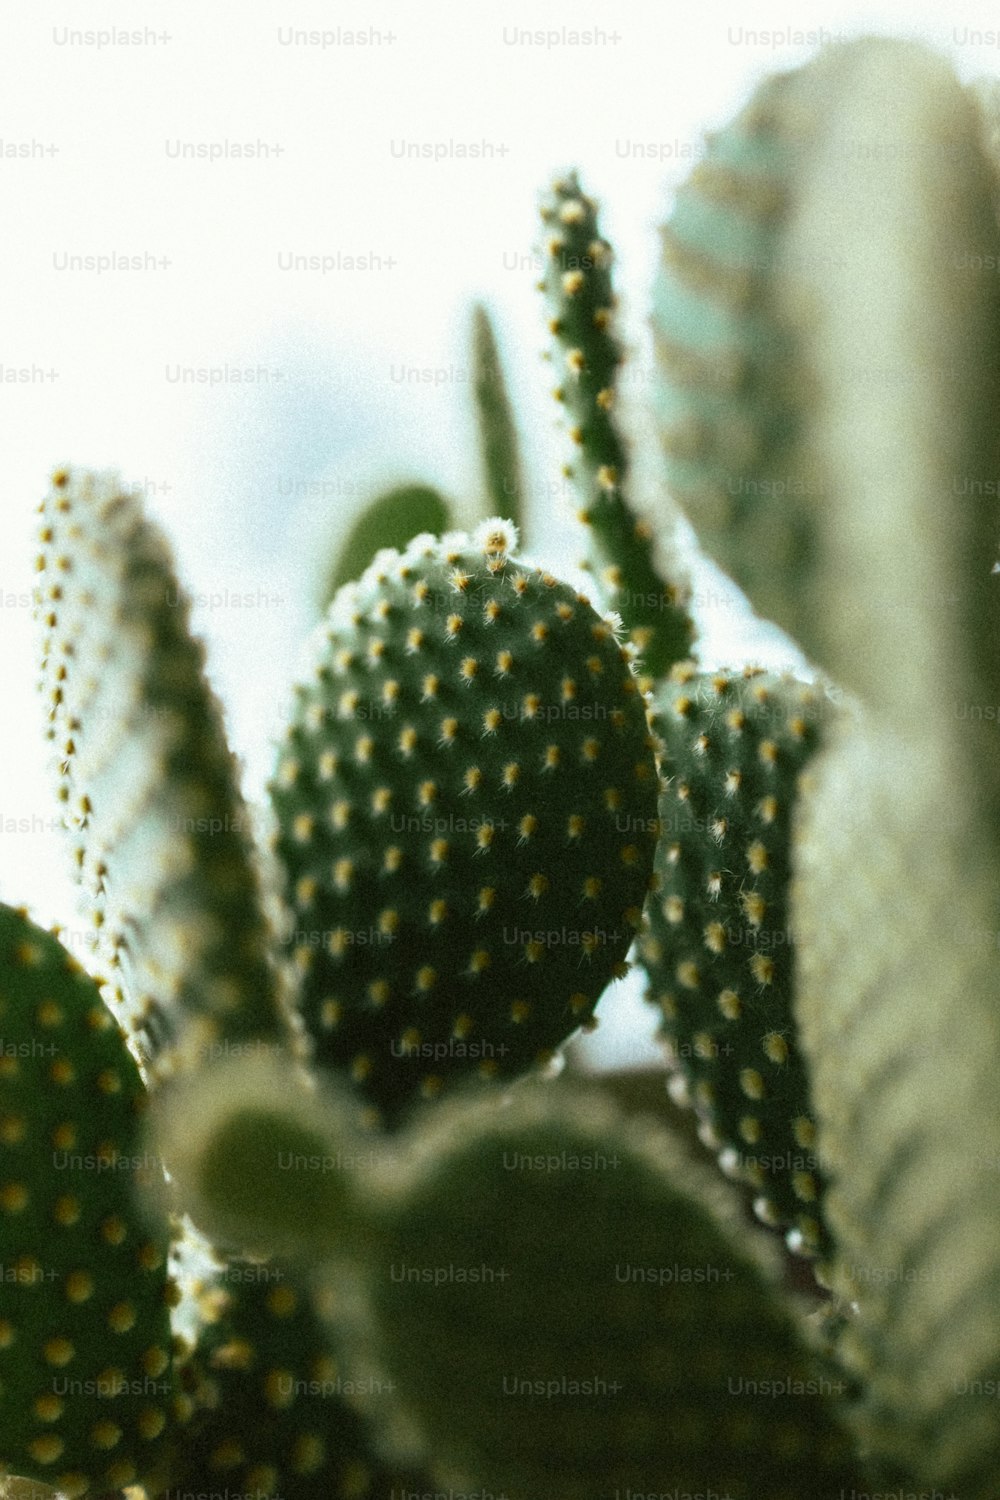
275, 1417
585, 1322
86, 1382
578, 287
499, 449
467, 804
718, 947
148, 780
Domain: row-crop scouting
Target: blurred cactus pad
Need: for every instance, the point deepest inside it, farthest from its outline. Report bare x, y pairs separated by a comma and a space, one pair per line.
302, 1191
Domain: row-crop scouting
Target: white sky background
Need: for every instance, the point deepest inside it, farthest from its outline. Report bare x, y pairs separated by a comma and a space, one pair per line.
218, 461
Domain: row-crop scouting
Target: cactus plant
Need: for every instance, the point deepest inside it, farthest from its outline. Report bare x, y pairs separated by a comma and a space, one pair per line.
525, 1287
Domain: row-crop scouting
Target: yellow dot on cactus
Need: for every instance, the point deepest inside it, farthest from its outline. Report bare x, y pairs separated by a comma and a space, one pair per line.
775, 1047
376, 650
590, 750
58, 1351
527, 827
150, 1423
388, 920
718, 828
468, 668
486, 897
49, 1014
347, 703
732, 782
767, 809
605, 399
121, 1317
364, 748
530, 705
629, 855
768, 752
520, 1011
390, 691
798, 728
575, 825
13, 1129
504, 662
589, 942
149, 1256
79, 1286
754, 906
758, 858
407, 740
229, 1453
46, 1449
62, 1072
540, 632
804, 1186
439, 851
64, 1136
381, 798
105, 1435
449, 731
460, 580
715, 937
427, 793
472, 778
48, 1408
612, 795
579, 1002
453, 625
414, 640
683, 707
119, 1475
713, 884
534, 951
762, 968
437, 911
462, 1027
567, 689
492, 719
595, 666
309, 1454
327, 765
66, 1211
154, 1361
13, 1197
492, 610
752, 1083
730, 1004
538, 885
607, 476
305, 890
420, 591
282, 1301
392, 859
511, 774
591, 887
673, 910
426, 979
7, 1333
702, 744
550, 757
804, 1131
688, 974
485, 835
343, 874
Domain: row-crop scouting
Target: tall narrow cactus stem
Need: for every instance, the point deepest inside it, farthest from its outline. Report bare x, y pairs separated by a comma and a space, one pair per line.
577, 283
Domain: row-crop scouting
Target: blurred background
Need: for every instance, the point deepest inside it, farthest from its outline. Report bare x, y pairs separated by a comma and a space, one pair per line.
242, 244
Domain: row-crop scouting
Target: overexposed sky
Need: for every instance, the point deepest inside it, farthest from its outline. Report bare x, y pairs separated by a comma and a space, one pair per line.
123, 134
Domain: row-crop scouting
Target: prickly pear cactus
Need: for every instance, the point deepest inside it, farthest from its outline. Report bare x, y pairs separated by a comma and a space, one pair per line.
684, 1363
274, 1412
467, 803
148, 782
86, 1380
718, 946
828, 383
578, 288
